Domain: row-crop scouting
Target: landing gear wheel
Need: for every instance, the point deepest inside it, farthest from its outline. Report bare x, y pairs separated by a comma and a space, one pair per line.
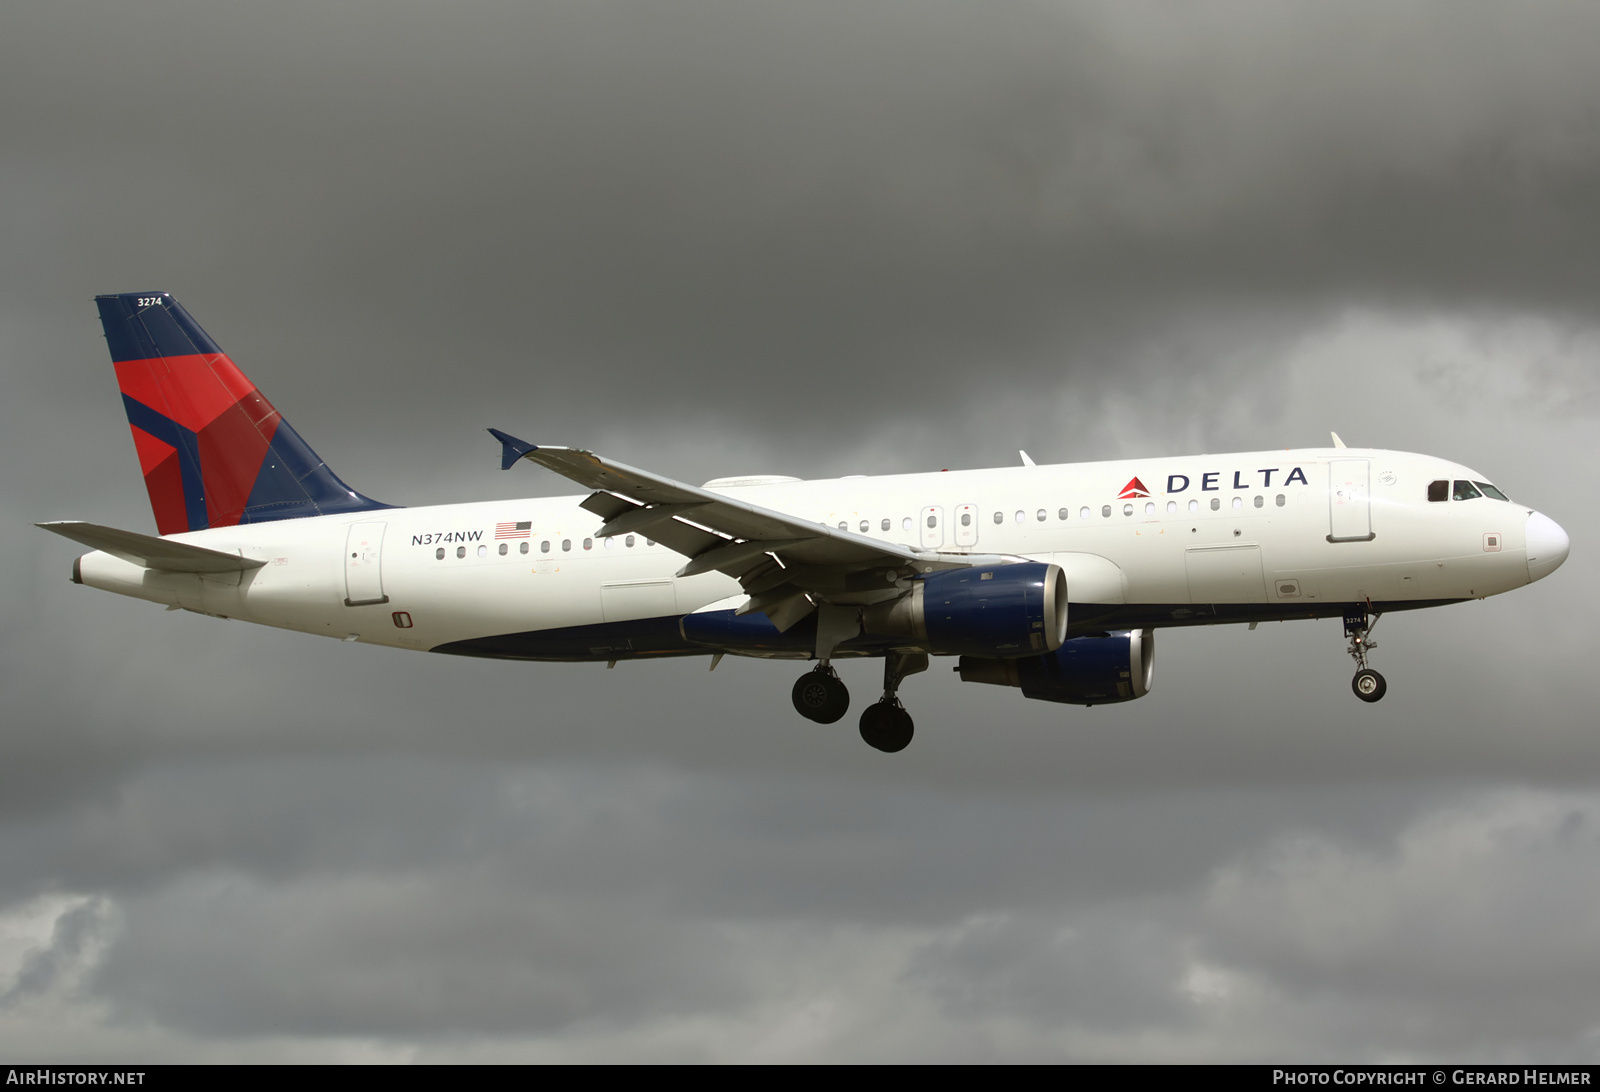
820, 696
1368, 685
887, 726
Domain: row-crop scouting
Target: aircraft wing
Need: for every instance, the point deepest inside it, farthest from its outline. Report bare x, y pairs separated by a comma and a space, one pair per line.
775, 556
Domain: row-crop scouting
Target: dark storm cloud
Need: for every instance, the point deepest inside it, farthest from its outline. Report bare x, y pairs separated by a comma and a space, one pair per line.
862, 200
815, 239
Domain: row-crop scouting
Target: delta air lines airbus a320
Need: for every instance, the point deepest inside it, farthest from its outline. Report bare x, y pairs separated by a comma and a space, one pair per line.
1051, 579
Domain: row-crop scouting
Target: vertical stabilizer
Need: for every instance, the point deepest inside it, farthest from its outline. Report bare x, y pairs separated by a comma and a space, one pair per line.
214, 452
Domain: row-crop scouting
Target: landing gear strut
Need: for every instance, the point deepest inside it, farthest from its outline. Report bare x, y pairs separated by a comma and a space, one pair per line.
886, 725
820, 695
1368, 684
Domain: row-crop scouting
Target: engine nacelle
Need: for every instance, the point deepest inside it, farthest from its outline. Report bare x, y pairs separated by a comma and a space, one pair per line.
998, 611
1083, 671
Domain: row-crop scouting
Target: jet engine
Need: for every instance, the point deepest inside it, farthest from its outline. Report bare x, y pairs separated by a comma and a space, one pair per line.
997, 611
1098, 670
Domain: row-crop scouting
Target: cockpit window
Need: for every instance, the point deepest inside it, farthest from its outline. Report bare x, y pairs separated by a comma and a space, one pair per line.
1439, 490
1491, 491
1465, 491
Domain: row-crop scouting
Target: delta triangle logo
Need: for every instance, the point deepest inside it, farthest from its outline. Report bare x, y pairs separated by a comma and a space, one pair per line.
1134, 488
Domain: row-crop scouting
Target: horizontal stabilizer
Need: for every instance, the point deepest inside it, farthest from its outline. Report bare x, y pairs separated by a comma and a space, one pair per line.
153, 553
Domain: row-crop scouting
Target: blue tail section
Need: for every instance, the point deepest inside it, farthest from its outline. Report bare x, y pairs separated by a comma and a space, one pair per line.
213, 450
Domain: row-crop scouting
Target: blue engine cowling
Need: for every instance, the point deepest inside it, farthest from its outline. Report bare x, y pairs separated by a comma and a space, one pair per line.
1003, 610
996, 611
1083, 671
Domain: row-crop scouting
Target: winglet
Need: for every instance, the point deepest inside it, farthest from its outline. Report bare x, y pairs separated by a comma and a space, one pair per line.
1336, 441
511, 448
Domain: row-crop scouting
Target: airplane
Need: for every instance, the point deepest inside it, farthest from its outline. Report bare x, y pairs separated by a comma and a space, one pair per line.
1049, 579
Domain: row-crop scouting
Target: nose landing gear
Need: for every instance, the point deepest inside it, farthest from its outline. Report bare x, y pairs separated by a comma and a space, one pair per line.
1368, 685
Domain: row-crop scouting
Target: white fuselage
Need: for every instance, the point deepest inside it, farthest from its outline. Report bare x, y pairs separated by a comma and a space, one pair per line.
1216, 538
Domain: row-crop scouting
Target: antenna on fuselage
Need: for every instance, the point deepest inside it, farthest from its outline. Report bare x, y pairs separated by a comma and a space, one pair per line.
1336, 441
1025, 460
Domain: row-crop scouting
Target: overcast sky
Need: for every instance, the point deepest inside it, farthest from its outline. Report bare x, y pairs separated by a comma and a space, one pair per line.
812, 239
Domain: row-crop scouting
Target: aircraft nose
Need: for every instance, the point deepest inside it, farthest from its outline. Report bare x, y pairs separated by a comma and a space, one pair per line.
1547, 546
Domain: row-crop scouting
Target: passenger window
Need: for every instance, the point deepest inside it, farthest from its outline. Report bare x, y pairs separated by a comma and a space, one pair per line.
1105, 511
610, 542
588, 544
523, 546
628, 542
1022, 517
504, 549
483, 551
1280, 500
905, 524
1216, 504
966, 520
884, 525
1040, 516
865, 527
1127, 509
933, 521
1061, 514
1466, 491
544, 547
1194, 505
999, 518
843, 526
1083, 513
566, 545
438, 555
461, 551
1260, 500
1238, 503
1149, 508
1172, 508
1439, 490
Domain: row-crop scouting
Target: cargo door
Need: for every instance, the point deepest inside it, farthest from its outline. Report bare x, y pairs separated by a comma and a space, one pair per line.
1225, 574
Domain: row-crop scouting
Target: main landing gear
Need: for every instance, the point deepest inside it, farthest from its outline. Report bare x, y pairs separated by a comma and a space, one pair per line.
1368, 684
819, 695
886, 725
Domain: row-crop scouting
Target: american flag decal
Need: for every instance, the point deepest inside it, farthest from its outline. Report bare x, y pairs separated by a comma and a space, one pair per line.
513, 530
